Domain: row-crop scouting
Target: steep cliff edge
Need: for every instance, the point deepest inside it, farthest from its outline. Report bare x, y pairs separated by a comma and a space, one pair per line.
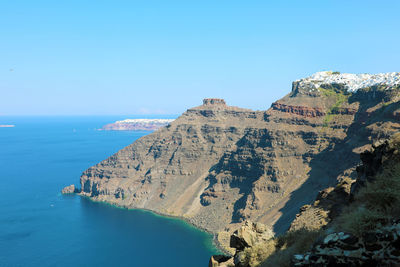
218, 165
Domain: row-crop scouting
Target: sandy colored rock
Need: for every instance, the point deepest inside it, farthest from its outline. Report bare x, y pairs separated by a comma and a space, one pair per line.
69, 189
249, 234
221, 261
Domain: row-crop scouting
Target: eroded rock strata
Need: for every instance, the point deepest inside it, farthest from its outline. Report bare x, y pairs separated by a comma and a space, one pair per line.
218, 165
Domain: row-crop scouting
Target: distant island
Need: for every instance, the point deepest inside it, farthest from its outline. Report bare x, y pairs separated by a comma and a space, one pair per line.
6, 125
137, 125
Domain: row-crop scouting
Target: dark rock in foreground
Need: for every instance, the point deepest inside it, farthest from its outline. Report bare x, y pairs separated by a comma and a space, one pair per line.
376, 248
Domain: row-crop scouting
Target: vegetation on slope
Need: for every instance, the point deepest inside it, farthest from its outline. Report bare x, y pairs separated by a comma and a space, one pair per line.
376, 204
340, 95
292, 242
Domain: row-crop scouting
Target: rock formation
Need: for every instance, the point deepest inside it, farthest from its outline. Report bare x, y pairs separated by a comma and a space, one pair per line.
218, 165
249, 235
221, 261
69, 189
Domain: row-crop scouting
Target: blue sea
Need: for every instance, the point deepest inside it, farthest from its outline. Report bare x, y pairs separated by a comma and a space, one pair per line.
41, 227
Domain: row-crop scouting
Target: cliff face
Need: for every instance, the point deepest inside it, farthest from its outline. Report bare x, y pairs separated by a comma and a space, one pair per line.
218, 165
355, 223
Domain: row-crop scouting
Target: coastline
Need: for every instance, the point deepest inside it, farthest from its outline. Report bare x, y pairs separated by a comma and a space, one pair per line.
188, 222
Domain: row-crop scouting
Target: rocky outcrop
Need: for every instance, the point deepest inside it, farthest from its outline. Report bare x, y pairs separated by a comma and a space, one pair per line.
217, 166
373, 162
221, 261
69, 189
214, 101
374, 248
249, 235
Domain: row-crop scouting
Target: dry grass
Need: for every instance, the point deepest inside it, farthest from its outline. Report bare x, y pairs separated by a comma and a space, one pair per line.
361, 220
258, 253
379, 201
293, 242
375, 205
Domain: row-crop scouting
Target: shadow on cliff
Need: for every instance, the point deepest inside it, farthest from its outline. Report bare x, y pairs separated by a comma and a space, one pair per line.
247, 168
327, 165
239, 169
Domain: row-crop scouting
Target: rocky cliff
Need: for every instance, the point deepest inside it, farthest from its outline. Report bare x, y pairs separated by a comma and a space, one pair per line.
218, 165
369, 229
355, 223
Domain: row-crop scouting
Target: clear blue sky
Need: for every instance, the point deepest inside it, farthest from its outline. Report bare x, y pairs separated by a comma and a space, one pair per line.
131, 57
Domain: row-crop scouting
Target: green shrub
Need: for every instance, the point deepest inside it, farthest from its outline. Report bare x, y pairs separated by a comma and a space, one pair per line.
340, 98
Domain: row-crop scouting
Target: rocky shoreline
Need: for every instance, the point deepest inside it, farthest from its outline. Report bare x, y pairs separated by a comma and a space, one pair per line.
216, 243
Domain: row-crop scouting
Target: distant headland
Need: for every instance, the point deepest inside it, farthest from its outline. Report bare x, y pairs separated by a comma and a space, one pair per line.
6, 125
137, 125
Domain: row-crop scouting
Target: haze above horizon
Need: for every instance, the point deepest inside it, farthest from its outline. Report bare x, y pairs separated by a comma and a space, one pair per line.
162, 57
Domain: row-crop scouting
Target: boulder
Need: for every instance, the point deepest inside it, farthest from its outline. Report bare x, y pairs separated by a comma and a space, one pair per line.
249, 234
221, 261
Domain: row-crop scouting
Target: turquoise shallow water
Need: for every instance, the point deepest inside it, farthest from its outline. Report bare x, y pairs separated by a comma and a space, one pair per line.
41, 227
